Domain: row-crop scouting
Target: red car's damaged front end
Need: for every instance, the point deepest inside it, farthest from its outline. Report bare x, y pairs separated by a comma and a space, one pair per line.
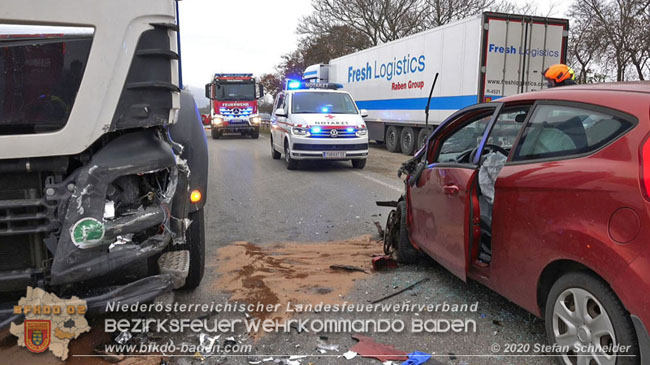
545, 198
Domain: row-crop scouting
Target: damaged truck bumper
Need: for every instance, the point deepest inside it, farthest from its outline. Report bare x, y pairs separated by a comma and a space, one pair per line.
143, 290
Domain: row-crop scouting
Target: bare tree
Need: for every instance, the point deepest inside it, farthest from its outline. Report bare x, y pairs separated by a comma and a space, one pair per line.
622, 27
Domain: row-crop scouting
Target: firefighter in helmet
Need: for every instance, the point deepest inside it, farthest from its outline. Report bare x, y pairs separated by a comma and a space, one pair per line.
559, 75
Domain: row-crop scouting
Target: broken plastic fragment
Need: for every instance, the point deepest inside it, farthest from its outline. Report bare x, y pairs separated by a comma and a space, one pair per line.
123, 337
367, 347
322, 345
350, 355
417, 358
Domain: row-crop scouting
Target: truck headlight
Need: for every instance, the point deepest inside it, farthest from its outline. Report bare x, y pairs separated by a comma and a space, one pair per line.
256, 120
217, 121
297, 131
362, 132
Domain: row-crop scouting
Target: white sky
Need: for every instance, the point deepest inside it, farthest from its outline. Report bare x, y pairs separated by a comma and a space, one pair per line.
243, 36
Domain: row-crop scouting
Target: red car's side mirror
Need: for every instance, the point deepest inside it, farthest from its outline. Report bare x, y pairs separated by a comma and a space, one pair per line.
205, 119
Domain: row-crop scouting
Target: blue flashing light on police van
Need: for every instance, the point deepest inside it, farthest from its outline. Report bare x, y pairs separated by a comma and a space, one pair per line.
293, 85
324, 109
316, 130
349, 129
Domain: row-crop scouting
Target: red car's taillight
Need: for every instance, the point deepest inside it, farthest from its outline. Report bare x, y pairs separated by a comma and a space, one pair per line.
645, 168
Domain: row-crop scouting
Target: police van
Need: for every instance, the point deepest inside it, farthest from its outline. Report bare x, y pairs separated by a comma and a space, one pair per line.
316, 121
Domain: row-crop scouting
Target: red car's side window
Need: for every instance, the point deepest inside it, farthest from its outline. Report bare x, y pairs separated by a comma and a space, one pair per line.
562, 130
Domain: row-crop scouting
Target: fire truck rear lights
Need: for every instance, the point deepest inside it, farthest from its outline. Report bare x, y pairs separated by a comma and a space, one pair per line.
195, 196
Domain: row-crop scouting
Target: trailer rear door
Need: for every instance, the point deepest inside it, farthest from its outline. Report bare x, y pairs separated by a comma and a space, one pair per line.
517, 50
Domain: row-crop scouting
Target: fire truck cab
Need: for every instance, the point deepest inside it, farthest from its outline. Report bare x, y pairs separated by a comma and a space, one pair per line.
233, 104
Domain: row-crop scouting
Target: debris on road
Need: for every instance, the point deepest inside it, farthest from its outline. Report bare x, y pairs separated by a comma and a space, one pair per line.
380, 229
322, 345
350, 355
417, 358
367, 347
383, 262
347, 268
123, 337
400, 291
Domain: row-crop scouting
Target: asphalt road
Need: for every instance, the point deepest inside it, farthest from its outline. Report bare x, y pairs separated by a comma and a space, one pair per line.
254, 198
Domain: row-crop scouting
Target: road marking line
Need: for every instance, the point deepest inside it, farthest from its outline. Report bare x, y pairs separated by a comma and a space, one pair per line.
378, 181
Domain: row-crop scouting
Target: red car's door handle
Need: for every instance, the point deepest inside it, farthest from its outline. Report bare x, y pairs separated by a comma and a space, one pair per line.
450, 190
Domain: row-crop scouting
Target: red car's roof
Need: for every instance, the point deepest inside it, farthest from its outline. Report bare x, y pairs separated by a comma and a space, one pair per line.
571, 92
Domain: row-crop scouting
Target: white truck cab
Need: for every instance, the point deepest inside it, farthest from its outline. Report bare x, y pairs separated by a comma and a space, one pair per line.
316, 121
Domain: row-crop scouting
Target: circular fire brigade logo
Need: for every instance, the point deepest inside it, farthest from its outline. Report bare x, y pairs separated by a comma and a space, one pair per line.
334, 133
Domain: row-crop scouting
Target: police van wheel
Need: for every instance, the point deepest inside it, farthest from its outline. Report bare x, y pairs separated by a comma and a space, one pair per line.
407, 140
275, 154
359, 164
422, 138
291, 163
392, 139
255, 134
215, 134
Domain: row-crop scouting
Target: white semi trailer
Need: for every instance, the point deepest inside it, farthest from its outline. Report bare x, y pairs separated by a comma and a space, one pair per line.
478, 59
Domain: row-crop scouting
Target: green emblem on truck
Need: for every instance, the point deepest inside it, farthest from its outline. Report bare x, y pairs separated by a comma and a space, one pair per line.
87, 232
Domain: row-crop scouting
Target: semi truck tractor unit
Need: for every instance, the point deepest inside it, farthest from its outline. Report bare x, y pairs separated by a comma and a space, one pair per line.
233, 104
478, 59
103, 160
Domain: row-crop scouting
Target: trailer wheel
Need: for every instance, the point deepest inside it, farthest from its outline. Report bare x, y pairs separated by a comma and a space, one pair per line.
407, 140
422, 137
215, 134
392, 139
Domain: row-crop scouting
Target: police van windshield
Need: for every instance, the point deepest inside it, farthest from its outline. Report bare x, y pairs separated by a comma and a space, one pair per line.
322, 102
235, 92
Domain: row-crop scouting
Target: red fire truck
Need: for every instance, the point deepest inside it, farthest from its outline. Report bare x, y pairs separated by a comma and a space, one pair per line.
233, 104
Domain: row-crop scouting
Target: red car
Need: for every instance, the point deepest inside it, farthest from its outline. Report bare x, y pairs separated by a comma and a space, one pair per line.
544, 197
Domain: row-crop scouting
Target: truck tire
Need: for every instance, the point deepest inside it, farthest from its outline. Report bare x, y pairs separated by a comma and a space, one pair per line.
215, 134
255, 134
195, 241
359, 164
422, 138
585, 290
275, 154
407, 140
404, 252
392, 139
291, 163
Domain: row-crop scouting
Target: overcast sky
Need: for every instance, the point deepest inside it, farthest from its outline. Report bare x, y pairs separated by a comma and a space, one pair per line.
244, 36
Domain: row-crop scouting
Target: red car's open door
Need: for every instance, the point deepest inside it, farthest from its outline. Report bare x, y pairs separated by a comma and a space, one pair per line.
439, 203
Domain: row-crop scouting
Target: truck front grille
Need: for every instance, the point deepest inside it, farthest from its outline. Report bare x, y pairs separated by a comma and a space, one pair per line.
15, 252
25, 216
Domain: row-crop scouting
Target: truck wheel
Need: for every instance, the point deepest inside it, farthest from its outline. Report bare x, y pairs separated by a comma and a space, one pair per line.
422, 138
215, 134
404, 252
407, 140
392, 139
275, 154
195, 241
255, 134
291, 163
583, 310
359, 164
